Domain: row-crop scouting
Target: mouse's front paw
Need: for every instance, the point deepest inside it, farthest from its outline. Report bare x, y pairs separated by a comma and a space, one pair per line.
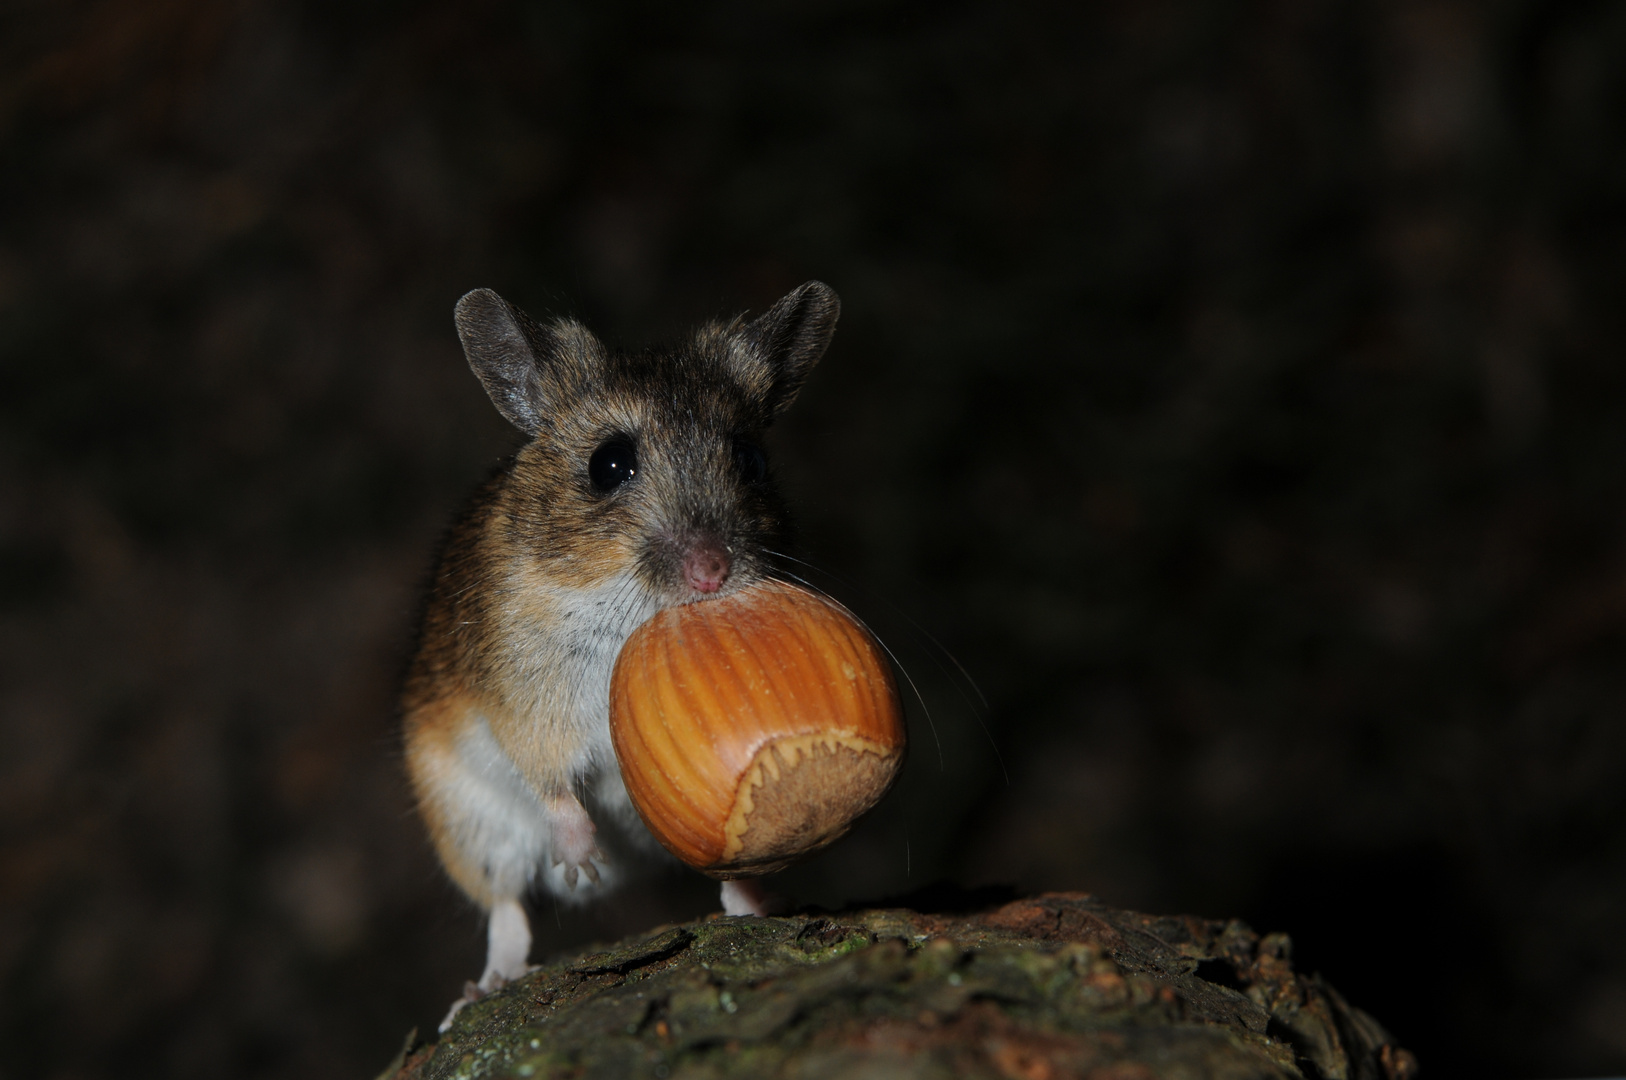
575, 854
578, 873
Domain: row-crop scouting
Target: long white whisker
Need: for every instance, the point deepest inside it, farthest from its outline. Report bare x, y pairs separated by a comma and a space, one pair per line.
618, 601
941, 648
896, 610
625, 602
942, 762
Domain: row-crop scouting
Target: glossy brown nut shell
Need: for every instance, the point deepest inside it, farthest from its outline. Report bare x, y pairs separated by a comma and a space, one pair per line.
754, 729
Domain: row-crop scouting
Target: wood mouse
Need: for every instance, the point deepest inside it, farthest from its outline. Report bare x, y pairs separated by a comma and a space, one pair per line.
642, 485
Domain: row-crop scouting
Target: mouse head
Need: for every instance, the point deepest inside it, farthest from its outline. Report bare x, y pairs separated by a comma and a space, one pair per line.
649, 464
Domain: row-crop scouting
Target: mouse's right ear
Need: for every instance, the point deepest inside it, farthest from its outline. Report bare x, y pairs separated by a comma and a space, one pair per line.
790, 337
523, 366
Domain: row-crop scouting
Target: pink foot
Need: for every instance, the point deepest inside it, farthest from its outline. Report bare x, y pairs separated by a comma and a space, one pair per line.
574, 846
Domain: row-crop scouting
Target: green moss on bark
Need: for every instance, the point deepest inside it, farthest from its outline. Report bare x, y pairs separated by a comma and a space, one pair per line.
1056, 986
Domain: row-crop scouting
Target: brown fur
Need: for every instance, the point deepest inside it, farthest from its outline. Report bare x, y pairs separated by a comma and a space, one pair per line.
543, 577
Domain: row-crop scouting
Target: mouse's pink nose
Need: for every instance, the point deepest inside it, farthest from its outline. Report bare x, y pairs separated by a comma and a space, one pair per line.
706, 566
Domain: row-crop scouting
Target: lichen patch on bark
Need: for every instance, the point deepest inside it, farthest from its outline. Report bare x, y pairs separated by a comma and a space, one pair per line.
1042, 989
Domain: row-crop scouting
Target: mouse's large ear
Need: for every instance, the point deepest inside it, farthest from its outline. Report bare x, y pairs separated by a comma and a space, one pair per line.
790, 337
524, 367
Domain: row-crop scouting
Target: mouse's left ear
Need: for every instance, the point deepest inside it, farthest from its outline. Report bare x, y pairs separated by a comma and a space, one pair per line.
790, 337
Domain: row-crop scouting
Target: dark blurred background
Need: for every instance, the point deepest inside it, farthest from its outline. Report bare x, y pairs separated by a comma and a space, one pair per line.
1235, 389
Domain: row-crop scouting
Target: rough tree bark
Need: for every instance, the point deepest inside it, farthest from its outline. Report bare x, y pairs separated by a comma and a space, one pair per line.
1051, 987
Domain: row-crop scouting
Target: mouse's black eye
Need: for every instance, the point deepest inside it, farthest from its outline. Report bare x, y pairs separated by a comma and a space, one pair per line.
750, 460
612, 464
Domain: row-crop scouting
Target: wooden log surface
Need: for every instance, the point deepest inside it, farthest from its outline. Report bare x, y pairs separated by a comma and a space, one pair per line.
1046, 988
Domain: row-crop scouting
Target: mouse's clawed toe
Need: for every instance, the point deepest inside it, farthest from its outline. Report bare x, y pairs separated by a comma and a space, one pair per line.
576, 854
568, 877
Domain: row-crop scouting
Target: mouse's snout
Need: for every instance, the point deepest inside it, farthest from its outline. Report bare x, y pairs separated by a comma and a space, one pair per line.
706, 564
